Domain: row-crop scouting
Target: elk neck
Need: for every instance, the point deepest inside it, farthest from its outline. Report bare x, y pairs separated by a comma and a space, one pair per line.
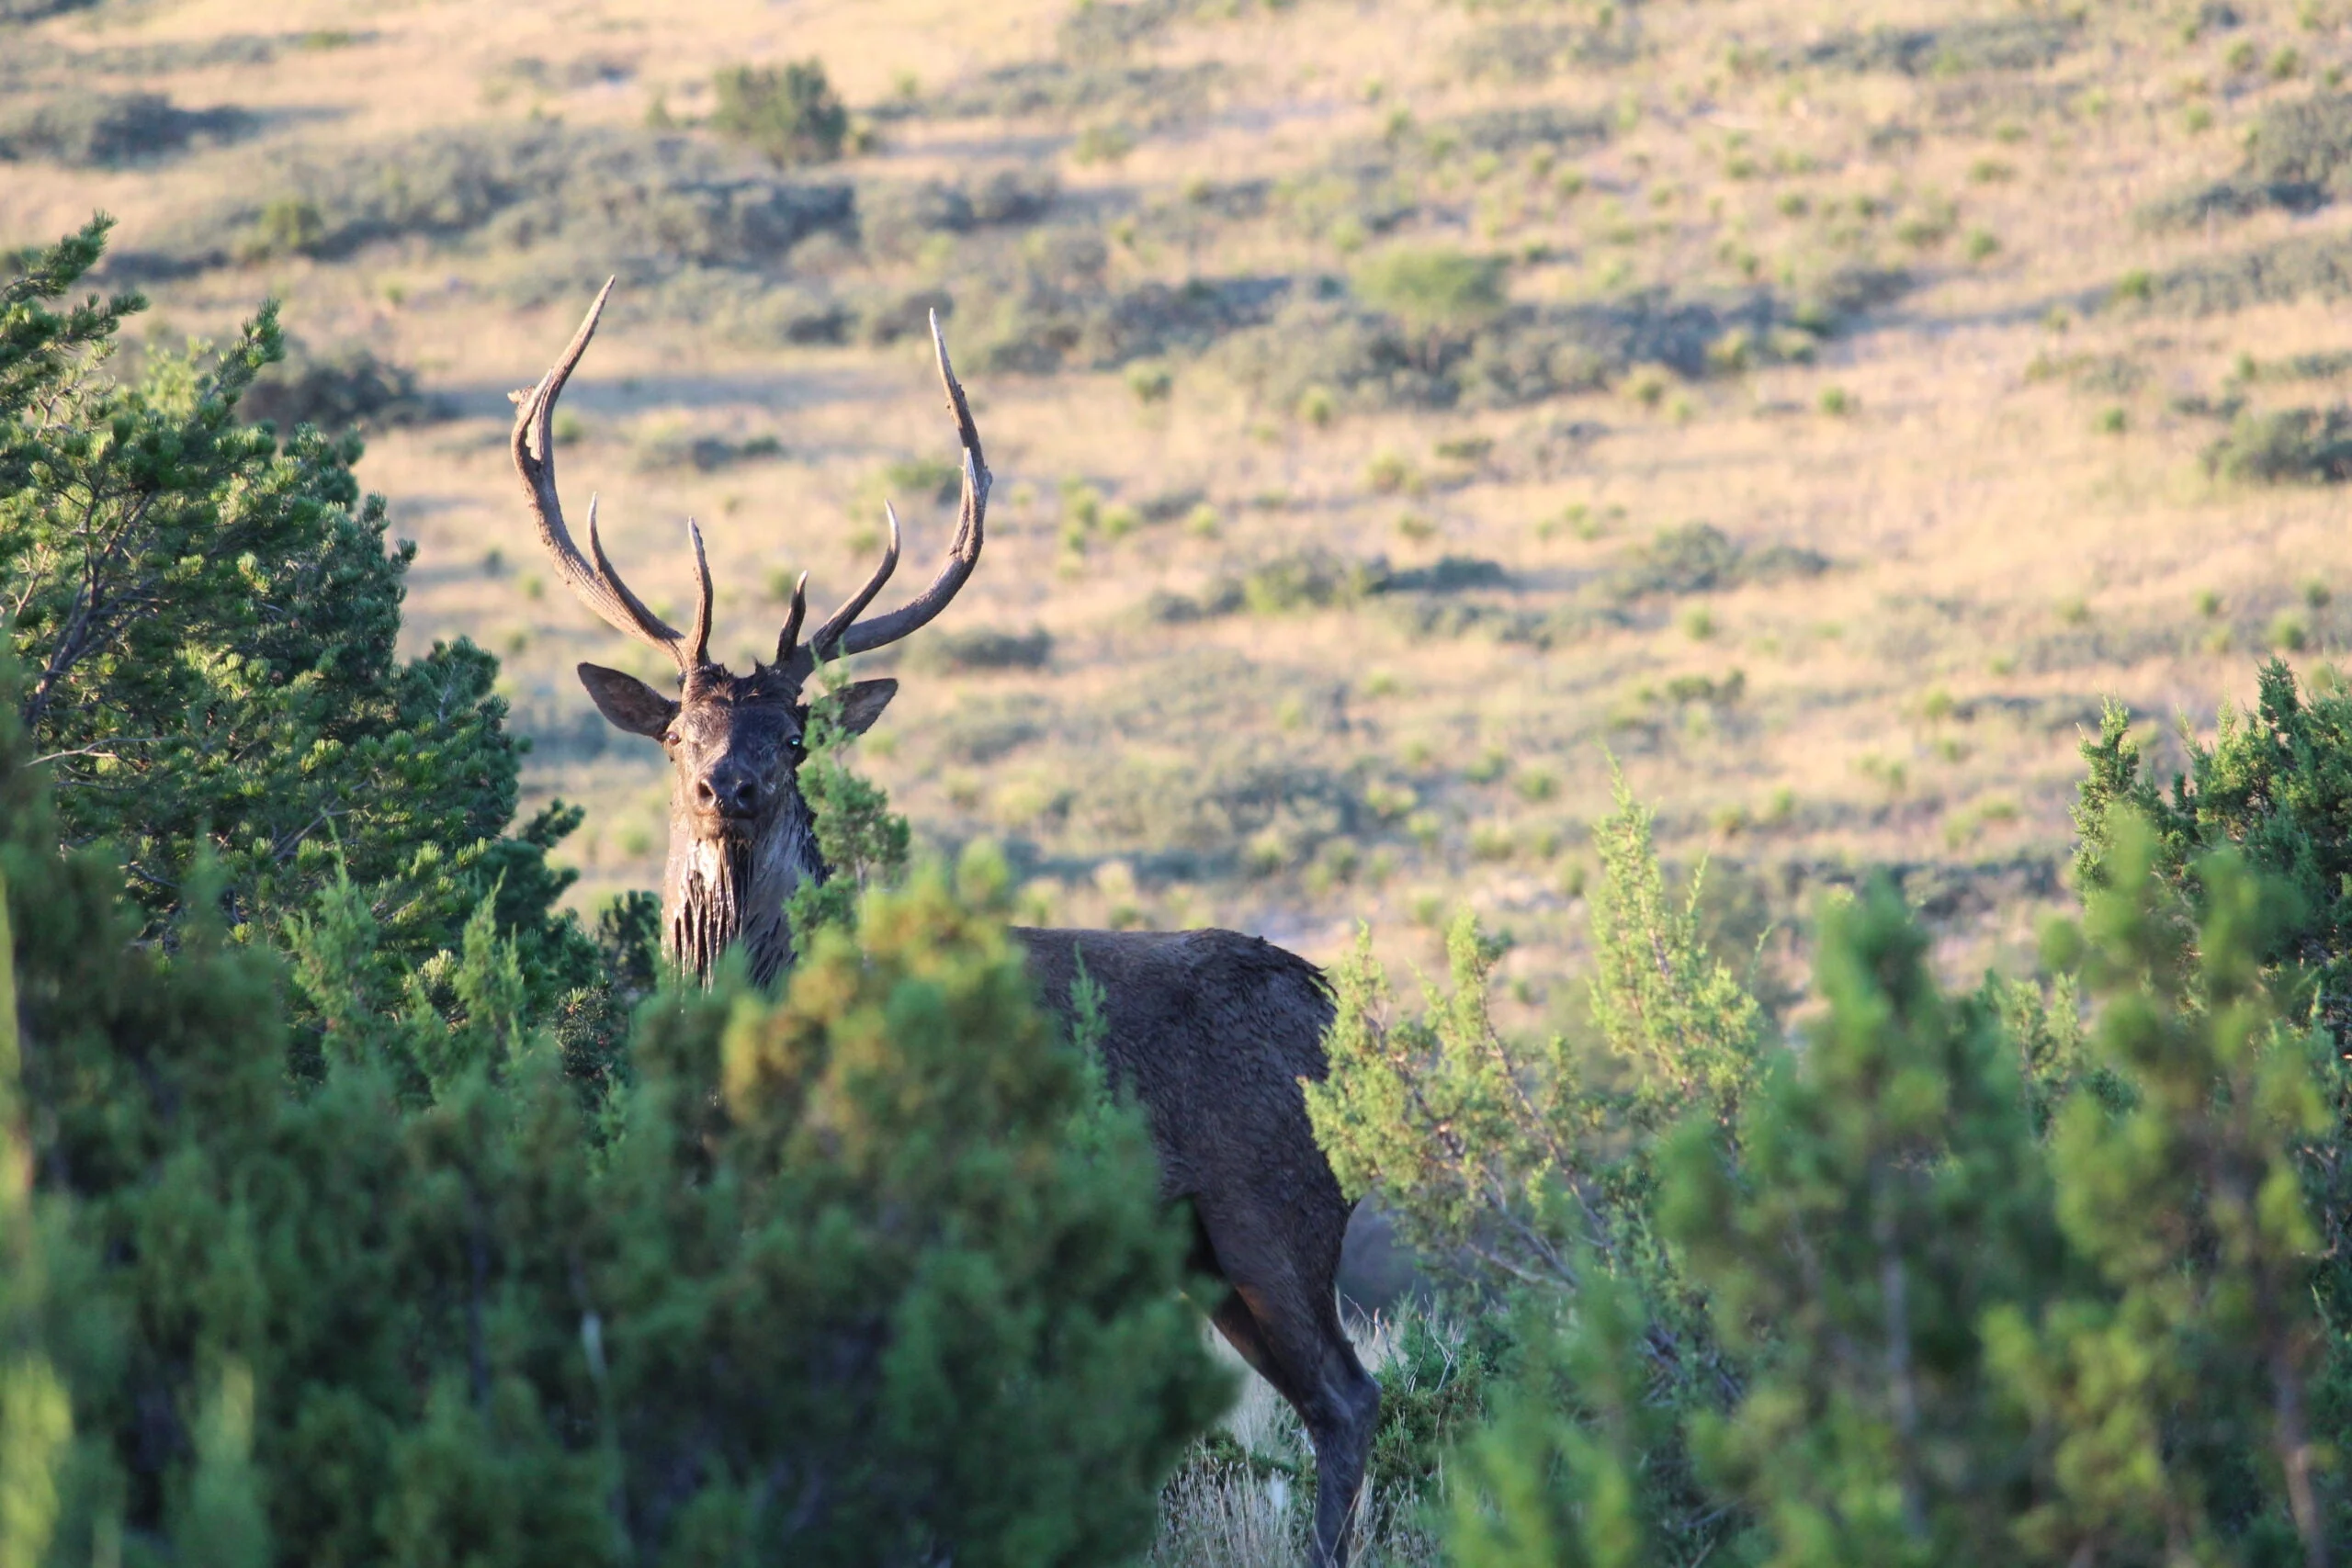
718, 892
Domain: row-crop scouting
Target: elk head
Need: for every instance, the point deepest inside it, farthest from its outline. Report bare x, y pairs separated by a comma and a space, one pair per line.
740, 835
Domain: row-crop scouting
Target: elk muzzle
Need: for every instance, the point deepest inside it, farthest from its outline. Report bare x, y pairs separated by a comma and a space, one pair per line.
727, 798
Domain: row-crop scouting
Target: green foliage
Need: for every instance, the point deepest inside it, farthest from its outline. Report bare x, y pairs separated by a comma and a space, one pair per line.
206, 618
107, 130
832, 1280
2275, 784
1886, 1194
2299, 158
1433, 1390
864, 843
2173, 1407
1959, 1281
1534, 1167
2286, 446
1501, 1155
1432, 291
1959, 1329
1673, 1015
792, 114
1555, 1479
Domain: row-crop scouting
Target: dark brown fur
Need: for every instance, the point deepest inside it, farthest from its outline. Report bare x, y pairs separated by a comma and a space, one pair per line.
1211, 1030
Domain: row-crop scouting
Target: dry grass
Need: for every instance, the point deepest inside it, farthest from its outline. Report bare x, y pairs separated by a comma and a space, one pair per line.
1230, 1517
2003, 536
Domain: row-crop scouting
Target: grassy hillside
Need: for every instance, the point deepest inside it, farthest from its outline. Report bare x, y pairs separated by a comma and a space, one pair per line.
1398, 408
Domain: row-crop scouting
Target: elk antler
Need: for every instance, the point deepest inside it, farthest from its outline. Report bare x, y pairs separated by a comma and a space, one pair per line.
592, 577
843, 632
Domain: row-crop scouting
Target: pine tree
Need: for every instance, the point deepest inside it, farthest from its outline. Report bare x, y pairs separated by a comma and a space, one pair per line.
869, 1273
207, 616
1886, 1192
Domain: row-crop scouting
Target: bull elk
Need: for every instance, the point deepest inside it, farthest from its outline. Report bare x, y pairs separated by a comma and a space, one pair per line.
1213, 1030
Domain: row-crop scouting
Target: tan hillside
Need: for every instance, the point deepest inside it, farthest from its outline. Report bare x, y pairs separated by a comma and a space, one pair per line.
1398, 408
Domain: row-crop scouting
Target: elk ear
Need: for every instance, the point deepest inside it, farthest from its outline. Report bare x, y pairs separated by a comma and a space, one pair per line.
626, 702
862, 703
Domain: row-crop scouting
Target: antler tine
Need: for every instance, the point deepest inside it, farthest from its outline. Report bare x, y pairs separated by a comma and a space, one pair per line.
591, 576
841, 620
790, 637
698, 638
963, 551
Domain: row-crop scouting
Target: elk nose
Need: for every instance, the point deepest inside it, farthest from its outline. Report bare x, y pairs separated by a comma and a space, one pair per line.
728, 792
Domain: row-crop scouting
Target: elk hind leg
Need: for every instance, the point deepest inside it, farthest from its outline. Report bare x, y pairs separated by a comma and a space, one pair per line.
1303, 1353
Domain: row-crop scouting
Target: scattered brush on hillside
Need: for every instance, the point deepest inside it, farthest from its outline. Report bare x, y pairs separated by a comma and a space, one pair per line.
349, 388
112, 130
1055, 310
1464, 596
34, 10
2298, 159
1371, 359
2008, 43
1099, 29
894, 220
983, 647
42, 61
1530, 51
1151, 97
1699, 557
1430, 328
1320, 580
581, 202
2286, 446
2307, 267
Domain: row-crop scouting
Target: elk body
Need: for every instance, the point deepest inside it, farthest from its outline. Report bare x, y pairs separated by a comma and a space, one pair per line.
1213, 1030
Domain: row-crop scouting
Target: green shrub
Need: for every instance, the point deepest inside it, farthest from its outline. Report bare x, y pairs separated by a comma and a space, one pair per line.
1105, 144
985, 648
1526, 1164
1432, 291
790, 114
1976, 1284
111, 129
287, 226
230, 696
2288, 445
1487, 1150
1306, 579
2000, 43
336, 392
1699, 557
2269, 784
2301, 267
2299, 158
1150, 381
583, 203
1149, 96
824, 1244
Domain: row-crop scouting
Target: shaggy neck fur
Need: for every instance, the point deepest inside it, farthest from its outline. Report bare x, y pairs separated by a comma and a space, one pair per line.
719, 891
